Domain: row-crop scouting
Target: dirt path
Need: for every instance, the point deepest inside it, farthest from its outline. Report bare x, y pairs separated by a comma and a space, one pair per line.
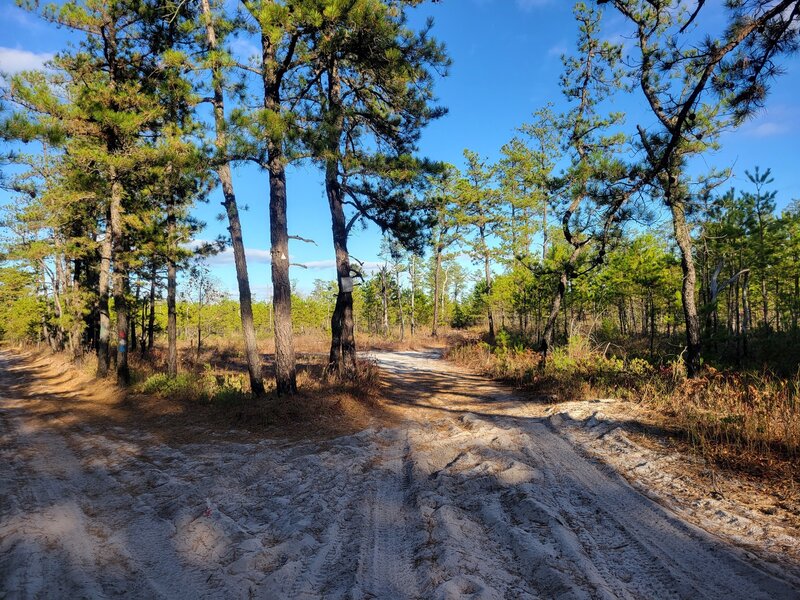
472, 497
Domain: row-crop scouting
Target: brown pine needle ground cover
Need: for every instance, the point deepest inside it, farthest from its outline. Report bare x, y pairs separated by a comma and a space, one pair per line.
203, 398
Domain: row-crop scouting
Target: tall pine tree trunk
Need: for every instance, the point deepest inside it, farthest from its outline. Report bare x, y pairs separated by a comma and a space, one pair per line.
151, 316
132, 320
400, 306
413, 320
172, 289
746, 312
385, 302
436, 276
120, 279
104, 286
548, 336
652, 323
342, 358
544, 231
254, 368
488, 276
684, 240
285, 360
143, 329
123, 325
444, 291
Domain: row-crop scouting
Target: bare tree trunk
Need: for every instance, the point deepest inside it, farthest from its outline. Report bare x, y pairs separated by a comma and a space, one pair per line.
285, 359
400, 306
254, 366
444, 289
737, 320
488, 276
199, 319
172, 289
59, 284
151, 317
385, 301
413, 293
143, 327
120, 281
342, 358
132, 319
544, 232
652, 324
436, 274
103, 354
555, 306
746, 320
684, 240
45, 331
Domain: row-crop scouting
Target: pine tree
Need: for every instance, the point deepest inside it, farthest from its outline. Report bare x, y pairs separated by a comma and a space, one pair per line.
446, 231
374, 97
591, 200
108, 106
694, 91
216, 61
478, 205
283, 28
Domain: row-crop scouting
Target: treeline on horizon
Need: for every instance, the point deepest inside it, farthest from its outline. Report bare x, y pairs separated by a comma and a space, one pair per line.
121, 135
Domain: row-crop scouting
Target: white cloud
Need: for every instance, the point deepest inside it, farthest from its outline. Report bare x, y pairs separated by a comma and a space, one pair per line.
243, 49
768, 129
776, 120
10, 13
14, 60
254, 256
319, 264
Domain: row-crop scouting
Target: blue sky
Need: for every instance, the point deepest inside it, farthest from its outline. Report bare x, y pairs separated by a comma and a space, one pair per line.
506, 64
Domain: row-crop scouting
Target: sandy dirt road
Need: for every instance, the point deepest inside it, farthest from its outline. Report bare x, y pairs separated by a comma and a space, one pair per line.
469, 497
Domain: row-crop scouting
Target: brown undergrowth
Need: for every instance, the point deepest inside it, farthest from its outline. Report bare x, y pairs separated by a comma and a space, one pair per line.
211, 390
747, 422
202, 399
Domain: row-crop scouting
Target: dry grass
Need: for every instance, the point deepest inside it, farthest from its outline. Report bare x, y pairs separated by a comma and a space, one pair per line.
220, 390
212, 388
745, 421
203, 397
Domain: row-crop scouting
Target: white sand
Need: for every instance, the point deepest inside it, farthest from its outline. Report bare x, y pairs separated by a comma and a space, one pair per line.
453, 504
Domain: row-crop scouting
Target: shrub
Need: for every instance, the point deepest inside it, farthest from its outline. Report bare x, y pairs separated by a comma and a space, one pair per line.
183, 385
208, 387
